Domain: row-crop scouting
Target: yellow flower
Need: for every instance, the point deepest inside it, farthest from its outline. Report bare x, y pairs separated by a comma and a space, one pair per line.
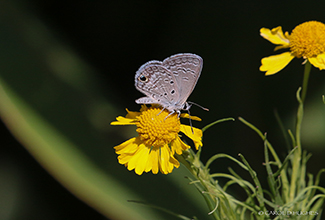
307, 40
157, 142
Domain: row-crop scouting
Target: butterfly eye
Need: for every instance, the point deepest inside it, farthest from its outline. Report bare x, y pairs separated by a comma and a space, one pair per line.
142, 78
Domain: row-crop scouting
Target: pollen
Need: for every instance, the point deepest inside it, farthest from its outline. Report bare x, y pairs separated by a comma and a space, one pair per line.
156, 127
308, 39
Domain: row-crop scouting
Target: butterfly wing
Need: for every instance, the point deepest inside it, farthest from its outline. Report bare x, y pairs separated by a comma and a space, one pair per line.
157, 83
186, 68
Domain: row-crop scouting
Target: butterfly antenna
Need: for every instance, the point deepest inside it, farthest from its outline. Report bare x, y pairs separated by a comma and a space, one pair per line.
193, 103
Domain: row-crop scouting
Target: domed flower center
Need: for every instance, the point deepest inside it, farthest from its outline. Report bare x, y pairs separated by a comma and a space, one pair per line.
155, 128
308, 39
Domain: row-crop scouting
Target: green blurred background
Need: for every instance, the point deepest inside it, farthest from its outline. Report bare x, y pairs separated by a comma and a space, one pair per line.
68, 68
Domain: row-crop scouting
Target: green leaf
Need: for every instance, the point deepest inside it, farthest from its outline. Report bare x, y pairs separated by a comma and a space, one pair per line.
62, 158
216, 122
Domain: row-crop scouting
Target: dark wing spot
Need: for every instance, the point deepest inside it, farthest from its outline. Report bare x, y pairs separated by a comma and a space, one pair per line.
143, 78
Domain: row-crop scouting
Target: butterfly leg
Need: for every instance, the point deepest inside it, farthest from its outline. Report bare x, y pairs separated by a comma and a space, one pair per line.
170, 114
187, 108
178, 113
162, 111
189, 113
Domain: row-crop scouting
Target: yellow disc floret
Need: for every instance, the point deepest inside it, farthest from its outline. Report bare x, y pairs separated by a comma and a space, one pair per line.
308, 39
157, 128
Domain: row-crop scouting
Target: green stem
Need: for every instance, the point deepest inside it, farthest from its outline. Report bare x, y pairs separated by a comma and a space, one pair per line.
194, 165
305, 80
301, 101
221, 204
300, 114
296, 162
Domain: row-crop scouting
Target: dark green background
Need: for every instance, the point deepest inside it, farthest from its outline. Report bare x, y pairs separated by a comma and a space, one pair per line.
114, 38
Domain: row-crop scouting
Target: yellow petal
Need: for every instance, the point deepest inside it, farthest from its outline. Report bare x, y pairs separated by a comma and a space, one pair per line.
178, 146
196, 136
185, 115
164, 159
173, 163
152, 163
139, 159
274, 64
123, 121
149, 161
280, 47
275, 36
318, 61
142, 162
124, 158
132, 115
167, 162
128, 147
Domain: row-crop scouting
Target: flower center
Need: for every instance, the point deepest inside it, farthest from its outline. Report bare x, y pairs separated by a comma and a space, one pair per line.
308, 39
155, 128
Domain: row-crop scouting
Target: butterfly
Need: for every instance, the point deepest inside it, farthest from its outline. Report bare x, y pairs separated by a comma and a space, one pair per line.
169, 83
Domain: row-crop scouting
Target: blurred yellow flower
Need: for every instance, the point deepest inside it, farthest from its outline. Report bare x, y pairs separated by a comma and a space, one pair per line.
158, 140
307, 40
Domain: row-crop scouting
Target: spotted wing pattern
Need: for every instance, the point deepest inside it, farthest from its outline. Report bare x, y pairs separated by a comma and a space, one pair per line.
157, 83
186, 68
169, 83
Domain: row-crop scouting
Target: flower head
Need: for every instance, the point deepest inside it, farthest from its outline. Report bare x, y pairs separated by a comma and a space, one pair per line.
306, 41
158, 140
